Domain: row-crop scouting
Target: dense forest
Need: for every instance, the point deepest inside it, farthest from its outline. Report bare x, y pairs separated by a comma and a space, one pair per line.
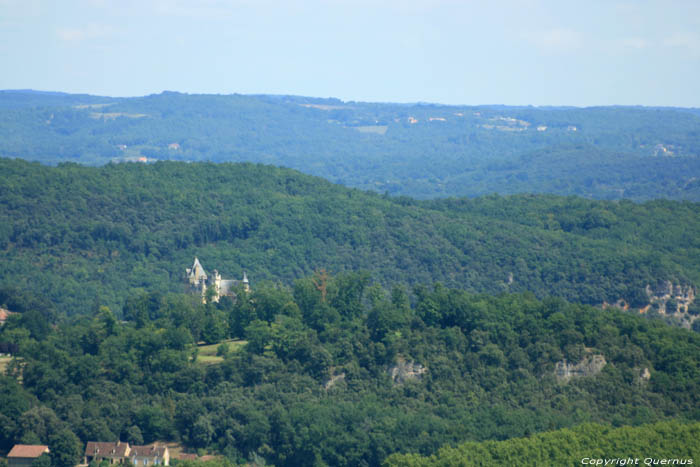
663, 443
380, 329
420, 150
82, 236
337, 370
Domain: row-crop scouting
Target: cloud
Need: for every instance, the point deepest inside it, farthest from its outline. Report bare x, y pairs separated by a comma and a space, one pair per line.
202, 8
635, 43
556, 39
684, 40
21, 9
90, 32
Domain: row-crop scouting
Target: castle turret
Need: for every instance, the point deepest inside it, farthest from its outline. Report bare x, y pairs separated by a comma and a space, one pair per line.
196, 274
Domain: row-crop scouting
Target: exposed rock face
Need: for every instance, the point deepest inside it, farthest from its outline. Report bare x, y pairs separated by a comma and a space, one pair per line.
680, 296
334, 379
672, 300
591, 365
668, 299
620, 303
644, 375
404, 371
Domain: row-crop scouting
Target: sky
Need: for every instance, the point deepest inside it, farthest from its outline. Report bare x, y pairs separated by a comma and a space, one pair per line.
462, 52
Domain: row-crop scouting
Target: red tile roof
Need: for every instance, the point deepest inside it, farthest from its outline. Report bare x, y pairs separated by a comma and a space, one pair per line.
97, 449
28, 450
152, 450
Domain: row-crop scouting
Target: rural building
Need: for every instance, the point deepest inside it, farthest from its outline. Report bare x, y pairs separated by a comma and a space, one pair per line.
115, 452
23, 455
149, 455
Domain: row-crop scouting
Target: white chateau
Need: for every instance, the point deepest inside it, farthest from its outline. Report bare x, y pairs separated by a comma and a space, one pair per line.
200, 282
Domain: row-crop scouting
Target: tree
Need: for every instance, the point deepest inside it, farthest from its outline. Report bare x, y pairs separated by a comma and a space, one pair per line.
215, 327
43, 460
133, 435
258, 334
65, 448
201, 433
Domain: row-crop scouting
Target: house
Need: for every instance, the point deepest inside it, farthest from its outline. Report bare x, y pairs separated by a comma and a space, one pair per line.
23, 455
150, 455
115, 452
199, 281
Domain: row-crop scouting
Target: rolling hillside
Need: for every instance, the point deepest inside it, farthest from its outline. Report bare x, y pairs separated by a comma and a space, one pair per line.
420, 150
81, 235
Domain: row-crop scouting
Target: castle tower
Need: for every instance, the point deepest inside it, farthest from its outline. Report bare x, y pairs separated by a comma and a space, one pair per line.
196, 274
246, 284
197, 277
217, 287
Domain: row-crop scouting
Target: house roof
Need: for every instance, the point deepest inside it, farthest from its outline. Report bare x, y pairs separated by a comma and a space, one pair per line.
187, 457
116, 449
28, 450
152, 450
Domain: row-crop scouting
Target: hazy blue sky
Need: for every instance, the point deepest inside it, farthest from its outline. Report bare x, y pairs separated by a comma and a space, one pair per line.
540, 52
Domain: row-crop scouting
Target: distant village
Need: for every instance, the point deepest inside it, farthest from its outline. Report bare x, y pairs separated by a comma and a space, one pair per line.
25, 455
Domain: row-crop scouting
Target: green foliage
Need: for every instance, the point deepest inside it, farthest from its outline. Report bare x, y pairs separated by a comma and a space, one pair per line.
42, 461
109, 234
65, 448
605, 153
643, 445
389, 372
134, 436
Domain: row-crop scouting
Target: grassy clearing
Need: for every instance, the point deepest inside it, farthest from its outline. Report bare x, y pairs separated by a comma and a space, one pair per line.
4, 361
206, 354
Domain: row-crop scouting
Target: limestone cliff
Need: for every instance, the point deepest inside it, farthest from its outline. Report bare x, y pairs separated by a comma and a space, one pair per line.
668, 299
591, 365
404, 370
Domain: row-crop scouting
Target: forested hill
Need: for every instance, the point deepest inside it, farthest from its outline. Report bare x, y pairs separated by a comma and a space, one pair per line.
419, 150
81, 236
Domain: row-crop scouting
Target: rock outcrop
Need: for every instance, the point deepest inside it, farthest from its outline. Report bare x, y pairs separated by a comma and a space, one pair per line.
670, 298
404, 371
591, 365
333, 380
644, 375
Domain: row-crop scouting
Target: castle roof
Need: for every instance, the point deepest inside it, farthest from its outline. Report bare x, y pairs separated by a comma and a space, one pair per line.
196, 272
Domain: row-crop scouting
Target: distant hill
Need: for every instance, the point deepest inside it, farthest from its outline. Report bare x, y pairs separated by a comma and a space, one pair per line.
418, 150
85, 235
